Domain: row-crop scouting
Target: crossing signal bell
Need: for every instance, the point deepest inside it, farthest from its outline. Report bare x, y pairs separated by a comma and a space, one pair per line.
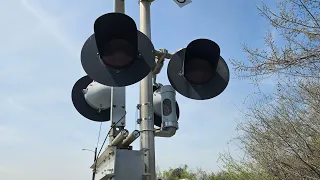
117, 54
198, 71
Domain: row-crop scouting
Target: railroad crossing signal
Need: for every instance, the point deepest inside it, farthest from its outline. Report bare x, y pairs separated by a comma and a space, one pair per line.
117, 54
198, 71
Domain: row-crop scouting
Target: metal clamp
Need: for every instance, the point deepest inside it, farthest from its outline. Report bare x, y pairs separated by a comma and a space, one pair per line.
146, 119
174, 124
139, 121
144, 104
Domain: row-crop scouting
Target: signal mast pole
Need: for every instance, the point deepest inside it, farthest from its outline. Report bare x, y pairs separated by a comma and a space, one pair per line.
146, 94
119, 6
118, 94
146, 101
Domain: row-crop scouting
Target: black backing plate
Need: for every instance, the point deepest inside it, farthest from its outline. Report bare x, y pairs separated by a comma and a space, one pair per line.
114, 24
82, 106
212, 89
141, 67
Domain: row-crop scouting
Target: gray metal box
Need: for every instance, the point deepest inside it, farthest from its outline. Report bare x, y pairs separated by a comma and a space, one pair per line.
120, 164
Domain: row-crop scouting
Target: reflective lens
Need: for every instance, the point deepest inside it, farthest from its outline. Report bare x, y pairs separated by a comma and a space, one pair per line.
118, 54
198, 71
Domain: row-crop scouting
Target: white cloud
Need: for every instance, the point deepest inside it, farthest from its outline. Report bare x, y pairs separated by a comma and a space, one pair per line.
50, 24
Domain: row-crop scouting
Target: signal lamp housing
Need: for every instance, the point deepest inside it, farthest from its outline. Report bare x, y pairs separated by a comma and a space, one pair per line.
117, 54
198, 71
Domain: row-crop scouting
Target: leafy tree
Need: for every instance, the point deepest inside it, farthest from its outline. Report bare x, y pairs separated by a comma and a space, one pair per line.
280, 132
298, 26
184, 173
230, 173
282, 138
178, 173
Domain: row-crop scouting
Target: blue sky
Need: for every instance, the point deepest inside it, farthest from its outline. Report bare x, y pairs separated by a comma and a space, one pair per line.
41, 134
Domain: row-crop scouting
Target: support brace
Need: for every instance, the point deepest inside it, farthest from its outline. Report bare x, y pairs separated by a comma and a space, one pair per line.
118, 111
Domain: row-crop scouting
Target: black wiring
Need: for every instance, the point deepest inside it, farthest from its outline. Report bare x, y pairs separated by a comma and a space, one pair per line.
96, 158
99, 135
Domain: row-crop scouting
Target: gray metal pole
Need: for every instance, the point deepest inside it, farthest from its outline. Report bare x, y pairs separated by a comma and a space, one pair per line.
146, 101
94, 160
119, 6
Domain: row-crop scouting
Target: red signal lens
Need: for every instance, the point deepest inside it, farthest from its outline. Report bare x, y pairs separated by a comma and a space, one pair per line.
198, 71
118, 54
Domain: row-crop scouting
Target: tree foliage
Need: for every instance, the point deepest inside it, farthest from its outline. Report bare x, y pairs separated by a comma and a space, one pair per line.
297, 55
185, 173
281, 138
230, 173
280, 133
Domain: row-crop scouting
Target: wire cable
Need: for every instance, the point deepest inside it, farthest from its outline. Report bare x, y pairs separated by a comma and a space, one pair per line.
95, 153
110, 131
95, 162
99, 135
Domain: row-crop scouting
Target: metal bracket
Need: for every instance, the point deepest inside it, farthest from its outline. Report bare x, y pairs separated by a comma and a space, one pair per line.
143, 150
161, 55
118, 101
